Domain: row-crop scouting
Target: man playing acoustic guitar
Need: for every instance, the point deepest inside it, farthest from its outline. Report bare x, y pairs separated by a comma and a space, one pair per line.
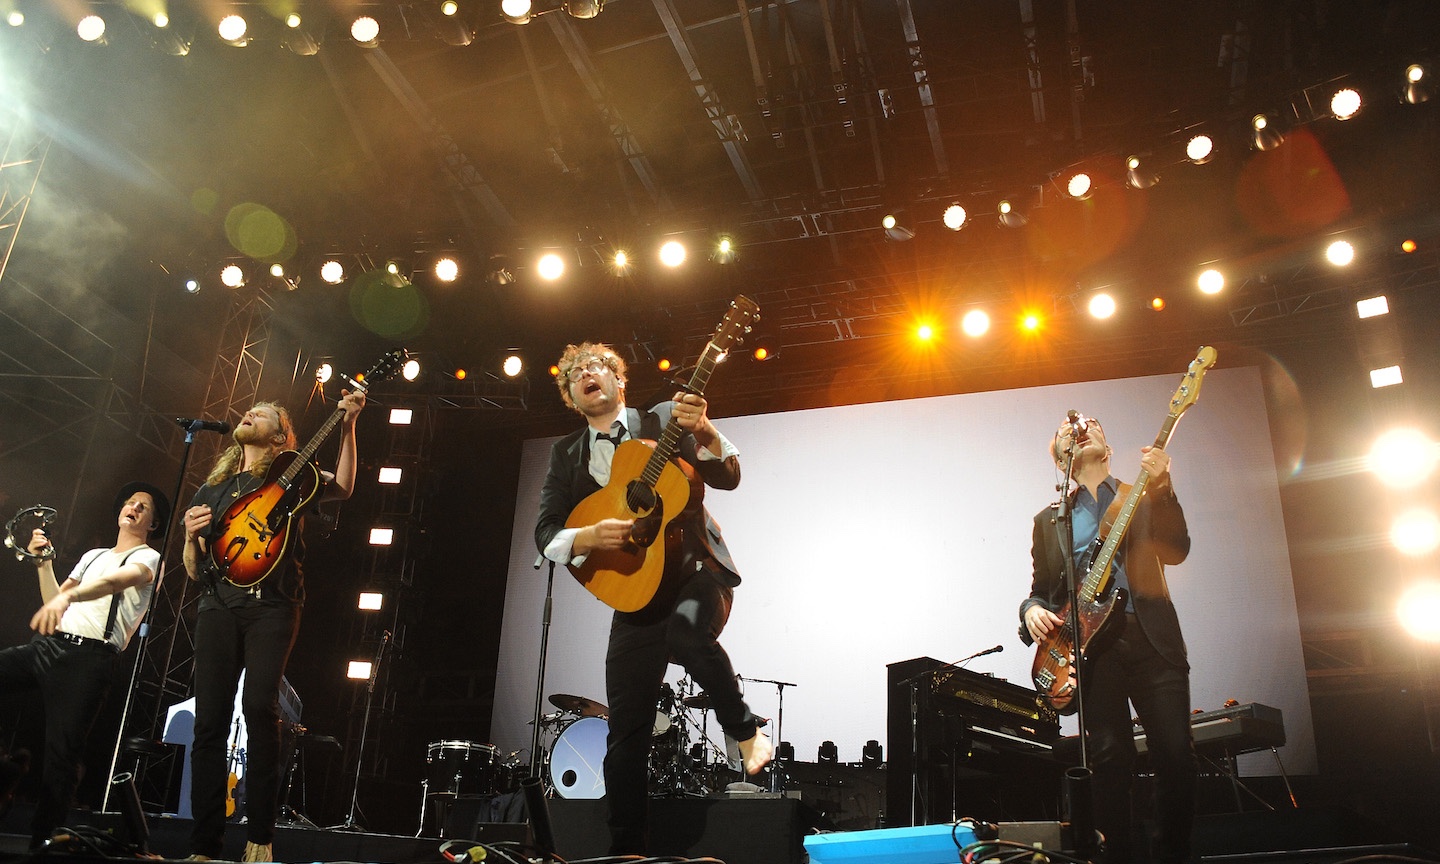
1140, 657
248, 628
684, 619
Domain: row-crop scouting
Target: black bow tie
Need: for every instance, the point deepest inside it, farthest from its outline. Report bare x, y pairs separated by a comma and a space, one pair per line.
613, 439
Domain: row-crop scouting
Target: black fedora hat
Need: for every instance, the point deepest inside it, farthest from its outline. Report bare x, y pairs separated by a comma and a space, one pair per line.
162, 504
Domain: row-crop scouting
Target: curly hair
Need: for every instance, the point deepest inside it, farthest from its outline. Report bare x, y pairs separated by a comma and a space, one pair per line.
576, 356
228, 465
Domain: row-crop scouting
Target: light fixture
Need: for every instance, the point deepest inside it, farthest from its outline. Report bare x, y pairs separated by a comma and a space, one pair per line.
332, 271
975, 323
1079, 186
954, 217
324, 372
192, 286
1101, 306
584, 8
411, 370
232, 29
447, 269
389, 475
1402, 458
358, 670
1264, 134
895, 229
382, 536
401, 416
672, 253
1372, 307
370, 601
1345, 103
91, 29
1009, 216
724, 250
1136, 176
550, 266
1211, 281
232, 276
15, 18
166, 39
299, 40
1418, 84
1340, 253
517, 11
365, 30
1385, 376
1200, 149
513, 364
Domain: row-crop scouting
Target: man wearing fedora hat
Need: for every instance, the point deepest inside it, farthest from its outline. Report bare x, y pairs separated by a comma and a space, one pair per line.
84, 624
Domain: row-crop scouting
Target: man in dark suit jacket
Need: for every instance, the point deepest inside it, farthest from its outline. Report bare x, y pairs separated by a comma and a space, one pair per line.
683, 622
1144, 664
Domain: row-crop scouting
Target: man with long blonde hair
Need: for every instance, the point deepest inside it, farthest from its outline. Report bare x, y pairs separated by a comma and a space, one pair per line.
249, 629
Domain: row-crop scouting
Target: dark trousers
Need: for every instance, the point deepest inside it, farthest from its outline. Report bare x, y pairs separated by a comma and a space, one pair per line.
642, 645
256, 638
1127, 672
72, 680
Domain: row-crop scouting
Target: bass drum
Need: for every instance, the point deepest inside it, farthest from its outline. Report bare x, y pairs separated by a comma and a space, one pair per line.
578, 757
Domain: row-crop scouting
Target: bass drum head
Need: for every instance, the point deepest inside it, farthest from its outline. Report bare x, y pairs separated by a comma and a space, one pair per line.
577, 760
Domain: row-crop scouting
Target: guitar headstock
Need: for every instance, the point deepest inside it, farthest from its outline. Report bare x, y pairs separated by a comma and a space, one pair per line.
743, 312
1189, 389
383, 368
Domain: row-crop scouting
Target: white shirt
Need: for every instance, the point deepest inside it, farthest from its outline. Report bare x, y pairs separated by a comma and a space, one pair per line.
87, 617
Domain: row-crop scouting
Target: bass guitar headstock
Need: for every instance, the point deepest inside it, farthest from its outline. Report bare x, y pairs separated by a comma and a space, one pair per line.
1189, 389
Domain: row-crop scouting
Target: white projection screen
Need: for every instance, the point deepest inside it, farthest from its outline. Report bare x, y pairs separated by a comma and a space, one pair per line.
876, 533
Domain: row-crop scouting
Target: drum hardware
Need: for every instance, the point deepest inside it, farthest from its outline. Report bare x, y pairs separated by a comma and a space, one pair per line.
578, 705
454, 768
20, 545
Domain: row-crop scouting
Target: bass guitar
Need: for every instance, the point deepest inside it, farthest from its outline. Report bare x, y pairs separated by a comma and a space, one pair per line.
649, 485
1097, 598
254, 534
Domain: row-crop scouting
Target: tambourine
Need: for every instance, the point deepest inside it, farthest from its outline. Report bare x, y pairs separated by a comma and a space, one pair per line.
46, 515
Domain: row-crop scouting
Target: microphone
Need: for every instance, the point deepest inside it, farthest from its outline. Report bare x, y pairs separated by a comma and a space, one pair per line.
996, 650
200, 424
1077, 420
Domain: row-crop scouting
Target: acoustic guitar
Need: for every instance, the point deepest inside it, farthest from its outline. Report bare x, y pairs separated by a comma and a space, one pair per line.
649, 485
1098, 599
254, 535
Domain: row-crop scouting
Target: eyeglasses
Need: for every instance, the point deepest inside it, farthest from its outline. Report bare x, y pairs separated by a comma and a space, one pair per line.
594, 367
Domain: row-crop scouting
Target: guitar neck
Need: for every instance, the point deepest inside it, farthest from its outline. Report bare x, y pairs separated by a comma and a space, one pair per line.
669, 441
1090, 588
308, 453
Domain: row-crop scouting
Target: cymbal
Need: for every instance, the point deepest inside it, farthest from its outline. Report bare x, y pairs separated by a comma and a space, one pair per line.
578, 704
699, 700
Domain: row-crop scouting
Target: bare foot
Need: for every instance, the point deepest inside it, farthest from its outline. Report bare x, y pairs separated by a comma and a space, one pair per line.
756, 752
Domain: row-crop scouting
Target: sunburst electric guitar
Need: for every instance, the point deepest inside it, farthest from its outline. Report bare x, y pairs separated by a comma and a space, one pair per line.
648, 484
1097, 597
254, 535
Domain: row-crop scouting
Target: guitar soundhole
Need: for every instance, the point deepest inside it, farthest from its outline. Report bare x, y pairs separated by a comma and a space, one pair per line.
639, 497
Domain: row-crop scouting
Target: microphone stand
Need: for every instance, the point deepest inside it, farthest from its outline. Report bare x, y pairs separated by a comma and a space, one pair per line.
350, 823
142, 635
1077, 803
776, 781
540, 669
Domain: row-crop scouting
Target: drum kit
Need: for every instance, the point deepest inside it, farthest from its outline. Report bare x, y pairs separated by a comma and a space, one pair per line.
573, 762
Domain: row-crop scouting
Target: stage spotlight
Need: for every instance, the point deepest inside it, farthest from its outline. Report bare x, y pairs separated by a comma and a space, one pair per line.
232, 276
192, 286
954, 217
389, 476
324, 372
1211, 281
621, 261
451, 26
1402, 458
333, 272
1408, 246
512, 365
15, 18
167, 40
517, 11
895, 230
975, 323
828, 754
1157, 304
447, 269
550, 266
584, 8
1418, 84
1009, 216
663, 364
924, 332
672, 253
1419, 611
365, 30
724, 250
232, 29
298, 39
401, 416
1415, 532
1200, 149
370, 601
358, 670
1385, 376
1078, 186
1372, 307
1101, 306
1031, 322
1345, 104
1340, 253
1263, 133
1136, 177
411, 370
459, 374
91, 29
382, 536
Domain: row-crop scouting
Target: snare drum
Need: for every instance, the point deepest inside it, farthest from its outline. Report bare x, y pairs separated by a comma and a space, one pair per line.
461, 768
578, 758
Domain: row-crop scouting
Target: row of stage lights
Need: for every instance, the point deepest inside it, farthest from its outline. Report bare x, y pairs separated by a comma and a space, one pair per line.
549, 266
299, 35
1265, 132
